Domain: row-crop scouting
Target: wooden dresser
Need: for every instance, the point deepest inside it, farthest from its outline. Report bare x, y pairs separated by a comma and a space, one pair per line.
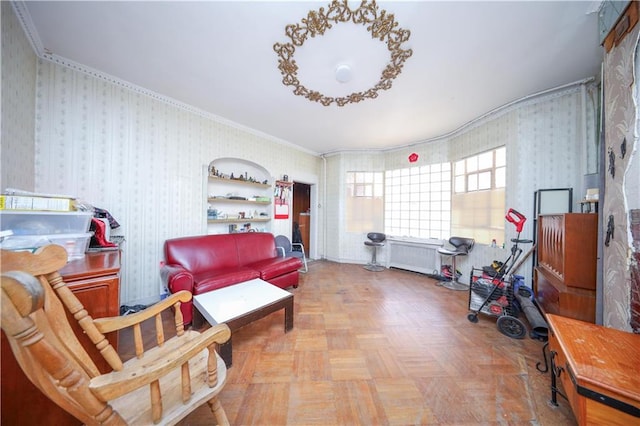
599, 369
95, 281
565, 277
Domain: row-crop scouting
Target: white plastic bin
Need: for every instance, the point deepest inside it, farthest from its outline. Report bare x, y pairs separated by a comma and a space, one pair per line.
44, 223
76, 245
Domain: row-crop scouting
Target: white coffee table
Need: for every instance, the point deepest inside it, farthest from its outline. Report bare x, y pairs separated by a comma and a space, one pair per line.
240, 304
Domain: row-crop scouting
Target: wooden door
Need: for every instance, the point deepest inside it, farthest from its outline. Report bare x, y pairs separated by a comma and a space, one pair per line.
301, 211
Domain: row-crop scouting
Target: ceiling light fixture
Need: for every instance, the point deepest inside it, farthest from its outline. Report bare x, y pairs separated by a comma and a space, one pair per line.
343, 73
379, 23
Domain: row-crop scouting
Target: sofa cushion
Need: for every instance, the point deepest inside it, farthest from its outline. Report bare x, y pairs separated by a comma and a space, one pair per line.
219, 278
199, 254
255, 246
270, 268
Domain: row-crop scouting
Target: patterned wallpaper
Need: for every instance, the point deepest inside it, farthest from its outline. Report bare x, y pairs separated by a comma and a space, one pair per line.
621, 189
549, 140
65, 131
143, 159
18, 103
341, 245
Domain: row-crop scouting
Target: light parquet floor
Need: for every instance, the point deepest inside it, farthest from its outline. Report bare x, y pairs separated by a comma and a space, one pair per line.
385, 348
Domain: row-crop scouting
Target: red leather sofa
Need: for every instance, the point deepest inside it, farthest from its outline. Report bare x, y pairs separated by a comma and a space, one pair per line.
208, 262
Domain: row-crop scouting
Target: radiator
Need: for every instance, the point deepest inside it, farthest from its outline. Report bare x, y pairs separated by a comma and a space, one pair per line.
414, 254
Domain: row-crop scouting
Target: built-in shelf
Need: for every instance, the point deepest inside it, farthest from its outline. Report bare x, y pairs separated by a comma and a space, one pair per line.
229, 201
245, 195
236, 220
240, 182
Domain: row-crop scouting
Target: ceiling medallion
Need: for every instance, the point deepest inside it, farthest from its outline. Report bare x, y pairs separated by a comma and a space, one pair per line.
379, 23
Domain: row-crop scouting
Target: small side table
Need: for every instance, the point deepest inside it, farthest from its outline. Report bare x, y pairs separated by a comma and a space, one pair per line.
599, 369
240, 304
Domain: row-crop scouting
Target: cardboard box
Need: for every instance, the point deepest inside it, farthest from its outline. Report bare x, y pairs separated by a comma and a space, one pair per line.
23, 202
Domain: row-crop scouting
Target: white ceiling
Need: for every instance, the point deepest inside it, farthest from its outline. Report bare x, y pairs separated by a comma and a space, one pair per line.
468, 58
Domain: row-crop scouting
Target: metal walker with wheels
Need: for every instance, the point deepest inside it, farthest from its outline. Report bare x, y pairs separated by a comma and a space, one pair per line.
491, 291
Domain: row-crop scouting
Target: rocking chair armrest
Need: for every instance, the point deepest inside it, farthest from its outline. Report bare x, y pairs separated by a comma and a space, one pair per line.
298, 245
157, 362
109, 324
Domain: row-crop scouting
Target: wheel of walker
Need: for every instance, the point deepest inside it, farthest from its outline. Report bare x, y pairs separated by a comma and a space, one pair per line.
511, 327
472, 317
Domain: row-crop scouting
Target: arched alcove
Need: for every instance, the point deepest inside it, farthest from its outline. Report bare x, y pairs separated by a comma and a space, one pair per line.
239, 194
240, 167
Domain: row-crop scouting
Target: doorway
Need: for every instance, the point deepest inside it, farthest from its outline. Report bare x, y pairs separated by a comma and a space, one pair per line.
301, 213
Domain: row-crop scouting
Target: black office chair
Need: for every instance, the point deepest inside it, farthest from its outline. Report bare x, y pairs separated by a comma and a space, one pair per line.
376, 239
461, 247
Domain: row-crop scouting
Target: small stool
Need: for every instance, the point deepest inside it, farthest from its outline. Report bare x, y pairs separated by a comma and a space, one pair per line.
462, 246
376, 239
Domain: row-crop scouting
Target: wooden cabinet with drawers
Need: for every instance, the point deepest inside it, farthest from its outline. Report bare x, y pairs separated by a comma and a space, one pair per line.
565, 277
96, 283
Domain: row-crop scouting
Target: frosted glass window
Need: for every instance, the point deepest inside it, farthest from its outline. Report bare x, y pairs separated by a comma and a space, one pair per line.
485, 160
501, 177
472, 182
465, 198
484, 180
460, 184
501, 157
364, 206
478, 205
413, 200
472, 164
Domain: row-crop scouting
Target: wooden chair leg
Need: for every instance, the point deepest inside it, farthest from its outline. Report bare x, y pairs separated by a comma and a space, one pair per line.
218, 411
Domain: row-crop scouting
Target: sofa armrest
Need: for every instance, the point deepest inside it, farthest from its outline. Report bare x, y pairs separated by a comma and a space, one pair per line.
176, 278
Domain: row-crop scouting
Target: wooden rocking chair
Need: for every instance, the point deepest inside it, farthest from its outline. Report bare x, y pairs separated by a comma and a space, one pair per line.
161, 385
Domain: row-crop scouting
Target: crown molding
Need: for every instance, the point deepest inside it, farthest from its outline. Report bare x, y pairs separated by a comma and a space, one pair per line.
31, 32
75, 66
29, 28
544, 95
32, 35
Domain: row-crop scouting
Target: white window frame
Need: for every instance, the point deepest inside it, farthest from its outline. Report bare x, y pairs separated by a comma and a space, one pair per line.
418, 201
364, 202
478, 203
